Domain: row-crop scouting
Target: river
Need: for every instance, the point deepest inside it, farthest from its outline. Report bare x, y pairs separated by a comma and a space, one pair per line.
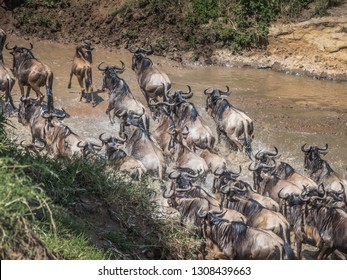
288, 111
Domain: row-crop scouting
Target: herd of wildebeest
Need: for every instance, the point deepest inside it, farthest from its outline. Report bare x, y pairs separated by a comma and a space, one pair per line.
234, 219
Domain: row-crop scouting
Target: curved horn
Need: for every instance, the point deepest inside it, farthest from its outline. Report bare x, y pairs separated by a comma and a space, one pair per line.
234, 173
31, 46
253, 169
120, 113
133, 49
168, 195
282, 197
273, 154
121, 139
259, 155
188, 94
119, 70
148, 52
104, 141
206, 92
190, 175
152, 102
79, 144
102, 69
10, 49
227, 92
172, 177
202, 213
323, 149
184, 190
47, 115
305, 150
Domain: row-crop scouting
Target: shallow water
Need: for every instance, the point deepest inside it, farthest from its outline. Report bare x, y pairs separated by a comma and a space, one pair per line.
288, 111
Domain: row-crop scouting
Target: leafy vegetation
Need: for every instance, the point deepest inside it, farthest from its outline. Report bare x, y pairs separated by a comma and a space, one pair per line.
234, 24
80, 209
238, 24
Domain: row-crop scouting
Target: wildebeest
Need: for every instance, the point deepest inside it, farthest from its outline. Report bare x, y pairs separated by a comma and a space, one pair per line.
230, 121
117, 156
121, 98
285, 171
304, 217
62, 141
153, 82
236, 240
142, 146
31, 73
331, 223
189, 201
257, 215
320, 171
266, 183
184, 157
7, 82
161, 112
249, 193
30, 114
82, 69
200, 135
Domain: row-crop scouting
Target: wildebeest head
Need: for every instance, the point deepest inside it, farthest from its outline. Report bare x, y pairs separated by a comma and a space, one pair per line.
84, 51
160, 108
213, 95
180, 96
178, 136
110, 74
113, 146
140, 61
312, 157
267, 157
20, 54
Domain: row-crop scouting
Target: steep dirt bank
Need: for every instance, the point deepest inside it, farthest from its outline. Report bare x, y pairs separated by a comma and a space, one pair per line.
316, 47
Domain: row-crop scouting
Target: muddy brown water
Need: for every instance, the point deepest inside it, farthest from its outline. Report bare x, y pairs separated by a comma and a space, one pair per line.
287, 110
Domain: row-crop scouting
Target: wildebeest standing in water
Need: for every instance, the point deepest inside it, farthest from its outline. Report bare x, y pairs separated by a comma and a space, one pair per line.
81, 68
153, 82
31, 73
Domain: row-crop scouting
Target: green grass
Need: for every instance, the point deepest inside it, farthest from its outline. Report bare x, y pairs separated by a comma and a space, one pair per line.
79, 209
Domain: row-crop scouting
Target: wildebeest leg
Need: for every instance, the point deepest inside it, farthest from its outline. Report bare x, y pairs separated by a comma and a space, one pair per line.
298, 248
8, 96
219, 132
39, 94
21, 87
80, 81
233, 138
89, 85
71, 74
113, 116
324, 251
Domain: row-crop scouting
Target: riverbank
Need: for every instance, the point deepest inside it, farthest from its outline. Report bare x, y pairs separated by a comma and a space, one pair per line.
315, 48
